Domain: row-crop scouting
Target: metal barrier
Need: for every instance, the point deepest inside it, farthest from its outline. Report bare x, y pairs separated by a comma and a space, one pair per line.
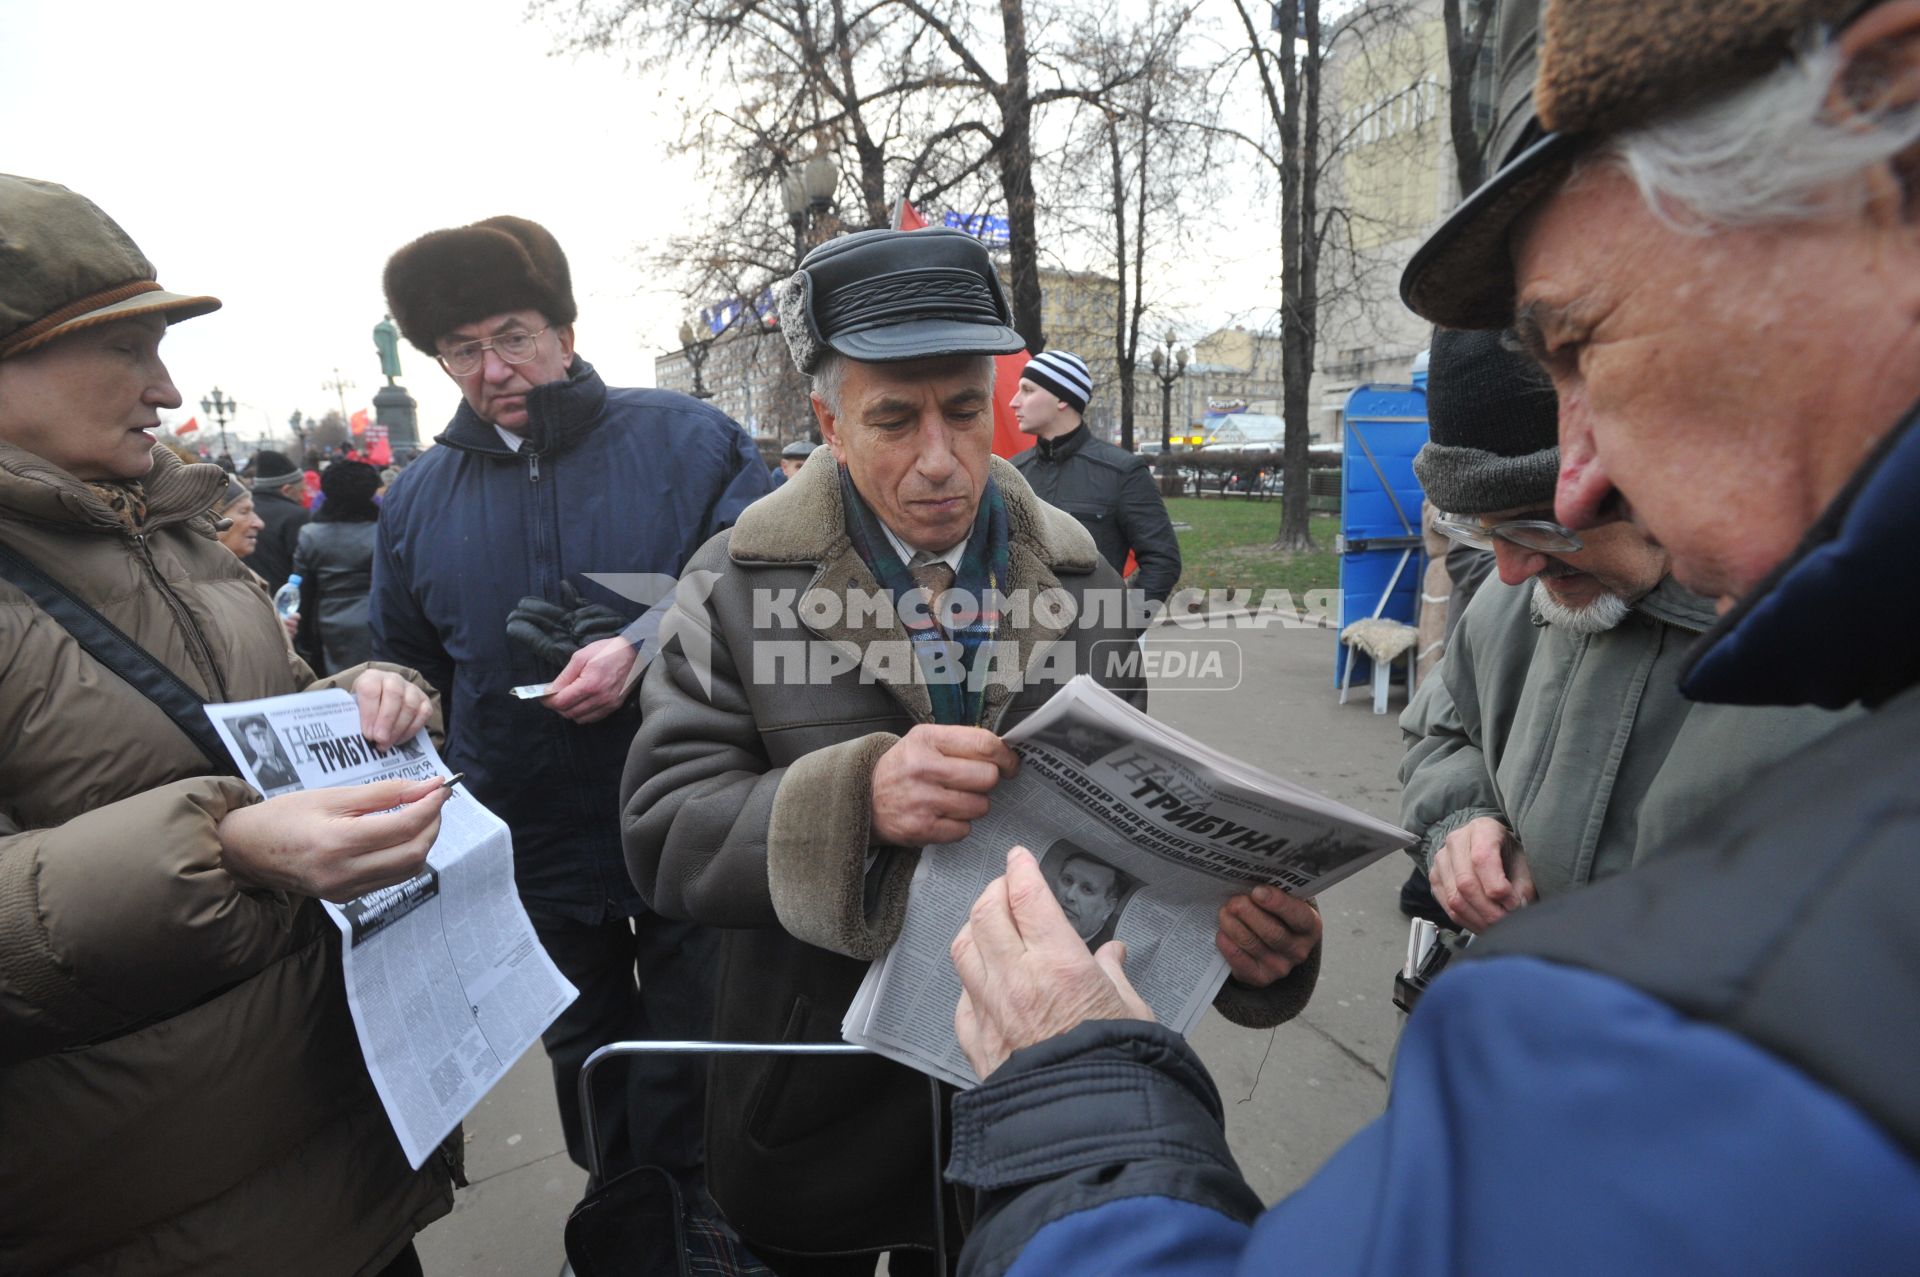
614, 1050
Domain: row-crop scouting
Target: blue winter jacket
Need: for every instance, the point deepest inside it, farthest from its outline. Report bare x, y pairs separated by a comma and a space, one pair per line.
610, 481
1704, 1066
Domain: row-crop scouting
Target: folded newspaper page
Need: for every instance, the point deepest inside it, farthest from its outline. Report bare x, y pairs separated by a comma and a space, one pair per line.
1143, 833
446, 981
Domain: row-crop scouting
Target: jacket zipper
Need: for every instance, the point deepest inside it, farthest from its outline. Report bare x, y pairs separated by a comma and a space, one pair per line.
197, 644
533, 467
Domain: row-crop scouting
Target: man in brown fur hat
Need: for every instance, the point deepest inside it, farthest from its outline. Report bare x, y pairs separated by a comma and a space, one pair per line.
1709, 236
491, 571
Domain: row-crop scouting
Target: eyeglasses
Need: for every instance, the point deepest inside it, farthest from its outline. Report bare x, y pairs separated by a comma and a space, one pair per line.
515, 348
1543, 536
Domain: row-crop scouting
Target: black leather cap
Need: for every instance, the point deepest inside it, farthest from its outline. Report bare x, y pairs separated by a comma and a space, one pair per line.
890, 296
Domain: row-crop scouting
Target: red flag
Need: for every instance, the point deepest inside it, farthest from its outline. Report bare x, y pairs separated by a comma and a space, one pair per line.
358, 422
193, 424
1007, 439
906, 217
380, 452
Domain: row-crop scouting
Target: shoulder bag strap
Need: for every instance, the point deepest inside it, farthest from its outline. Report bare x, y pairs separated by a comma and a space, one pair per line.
113, 649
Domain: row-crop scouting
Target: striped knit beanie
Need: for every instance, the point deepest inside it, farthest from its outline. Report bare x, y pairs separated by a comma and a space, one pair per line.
1063, 374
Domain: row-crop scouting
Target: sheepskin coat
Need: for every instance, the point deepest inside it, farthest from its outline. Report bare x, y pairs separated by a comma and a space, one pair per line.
746, 806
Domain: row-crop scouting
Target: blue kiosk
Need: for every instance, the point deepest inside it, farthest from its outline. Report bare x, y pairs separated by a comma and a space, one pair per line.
1381, 558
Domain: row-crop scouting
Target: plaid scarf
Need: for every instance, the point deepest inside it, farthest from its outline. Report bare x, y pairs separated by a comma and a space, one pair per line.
981, 575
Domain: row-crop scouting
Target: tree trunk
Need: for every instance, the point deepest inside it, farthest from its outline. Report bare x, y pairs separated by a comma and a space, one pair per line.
868, 155
1465, 39
1300, 109
1121, 362
1134, 321
1016, 178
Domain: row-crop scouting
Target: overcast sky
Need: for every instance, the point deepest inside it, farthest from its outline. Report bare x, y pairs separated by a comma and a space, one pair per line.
276, 155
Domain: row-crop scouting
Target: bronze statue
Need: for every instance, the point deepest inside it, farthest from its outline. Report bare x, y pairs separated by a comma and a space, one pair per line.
386, 339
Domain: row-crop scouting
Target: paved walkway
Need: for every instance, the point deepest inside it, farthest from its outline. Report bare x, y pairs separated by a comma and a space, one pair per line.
1292, 1095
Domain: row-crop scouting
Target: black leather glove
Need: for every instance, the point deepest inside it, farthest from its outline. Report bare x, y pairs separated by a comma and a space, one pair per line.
542, 629
553, 632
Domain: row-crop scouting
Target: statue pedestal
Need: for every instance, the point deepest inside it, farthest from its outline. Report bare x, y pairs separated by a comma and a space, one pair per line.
395, 409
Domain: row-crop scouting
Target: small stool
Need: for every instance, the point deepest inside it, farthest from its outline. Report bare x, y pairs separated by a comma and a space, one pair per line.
1384, 641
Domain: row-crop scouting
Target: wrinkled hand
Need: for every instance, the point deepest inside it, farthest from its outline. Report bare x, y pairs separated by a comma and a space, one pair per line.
595, 682
934, 782
334, 843
391, 709
1027, 975
1264, 934
1480, 874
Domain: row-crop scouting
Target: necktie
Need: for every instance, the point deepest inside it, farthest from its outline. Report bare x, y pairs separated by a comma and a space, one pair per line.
936, 578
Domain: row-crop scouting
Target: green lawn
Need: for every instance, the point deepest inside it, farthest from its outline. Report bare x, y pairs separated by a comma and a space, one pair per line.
1229, 545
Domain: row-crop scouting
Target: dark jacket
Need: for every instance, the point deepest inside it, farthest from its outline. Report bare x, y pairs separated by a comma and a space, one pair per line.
1700, 1066
335, 563
181, 1087
610, 482
1112, 492
747, 805
272, 555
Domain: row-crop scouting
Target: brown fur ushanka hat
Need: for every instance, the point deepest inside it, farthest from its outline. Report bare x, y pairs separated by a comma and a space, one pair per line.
1600, 67
452, 277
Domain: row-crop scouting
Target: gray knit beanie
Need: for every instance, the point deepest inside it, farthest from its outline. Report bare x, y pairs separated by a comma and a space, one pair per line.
1493, 427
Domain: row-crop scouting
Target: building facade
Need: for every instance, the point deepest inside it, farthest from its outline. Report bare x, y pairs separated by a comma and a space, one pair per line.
1387, 96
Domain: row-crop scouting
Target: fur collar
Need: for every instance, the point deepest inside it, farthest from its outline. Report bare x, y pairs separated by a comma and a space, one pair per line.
36, 490
802, 522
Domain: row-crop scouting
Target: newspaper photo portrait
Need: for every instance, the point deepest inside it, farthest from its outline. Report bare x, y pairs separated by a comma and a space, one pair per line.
265, 755
1092, 892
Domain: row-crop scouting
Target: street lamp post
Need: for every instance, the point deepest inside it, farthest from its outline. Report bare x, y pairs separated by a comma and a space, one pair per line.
1169, 365
695, 349
220, 407
807, 190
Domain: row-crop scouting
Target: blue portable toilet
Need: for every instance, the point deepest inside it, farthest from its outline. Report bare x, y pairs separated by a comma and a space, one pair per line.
1381, 557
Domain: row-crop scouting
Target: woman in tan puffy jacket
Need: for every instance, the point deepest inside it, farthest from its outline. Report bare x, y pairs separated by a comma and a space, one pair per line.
181, 1089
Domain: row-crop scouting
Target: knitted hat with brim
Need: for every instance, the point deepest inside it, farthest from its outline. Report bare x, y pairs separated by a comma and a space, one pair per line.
65, 265
449, 278
1493, 427
1599, 68
273, 470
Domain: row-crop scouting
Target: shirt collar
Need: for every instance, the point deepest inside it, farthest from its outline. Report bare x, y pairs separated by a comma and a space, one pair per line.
919, 558
512, 440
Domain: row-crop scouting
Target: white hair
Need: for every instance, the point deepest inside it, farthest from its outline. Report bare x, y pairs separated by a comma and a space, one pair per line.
1603, 614
830, 376
1767, 153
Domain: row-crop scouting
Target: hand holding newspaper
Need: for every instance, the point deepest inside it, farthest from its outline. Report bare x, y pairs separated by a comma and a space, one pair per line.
445, 979
1143, 833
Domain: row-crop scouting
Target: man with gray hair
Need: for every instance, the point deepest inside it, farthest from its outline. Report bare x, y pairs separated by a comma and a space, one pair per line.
1551, 747
789, 800
1709, 234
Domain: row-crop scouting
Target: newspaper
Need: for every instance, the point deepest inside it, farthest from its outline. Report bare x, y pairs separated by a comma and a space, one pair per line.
1144, 833
446, 981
